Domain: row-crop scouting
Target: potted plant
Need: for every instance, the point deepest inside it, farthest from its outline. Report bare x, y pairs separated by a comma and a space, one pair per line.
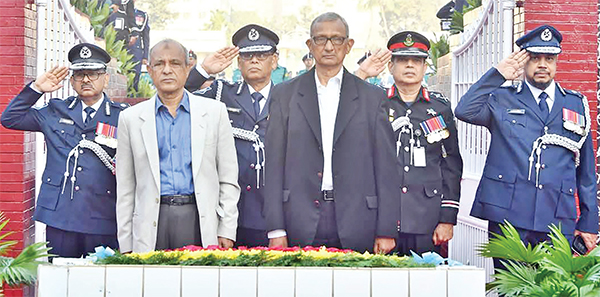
21, 270
544, 270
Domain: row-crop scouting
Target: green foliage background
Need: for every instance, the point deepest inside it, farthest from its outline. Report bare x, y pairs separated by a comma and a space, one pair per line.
98, 13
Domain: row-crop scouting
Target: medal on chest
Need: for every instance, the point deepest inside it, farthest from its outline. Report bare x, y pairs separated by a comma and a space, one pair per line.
573, 121
435, 129
106, 135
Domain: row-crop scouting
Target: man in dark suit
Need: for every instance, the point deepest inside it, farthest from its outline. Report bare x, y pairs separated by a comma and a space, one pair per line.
541, 153
76, 204
248, 106
330, 167
139, 43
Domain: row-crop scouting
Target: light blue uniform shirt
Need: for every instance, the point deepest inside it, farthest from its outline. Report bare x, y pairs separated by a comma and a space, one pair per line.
175, 148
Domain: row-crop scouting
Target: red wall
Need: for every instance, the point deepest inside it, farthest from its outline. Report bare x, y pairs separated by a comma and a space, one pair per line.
17, 149
577, 20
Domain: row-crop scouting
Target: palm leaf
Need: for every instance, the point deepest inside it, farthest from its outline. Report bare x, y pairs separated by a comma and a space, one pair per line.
516, 279
23, 268
509, 246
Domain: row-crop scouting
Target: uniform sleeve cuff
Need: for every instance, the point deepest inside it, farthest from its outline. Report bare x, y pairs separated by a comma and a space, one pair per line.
202, 71
276, 233
32, 86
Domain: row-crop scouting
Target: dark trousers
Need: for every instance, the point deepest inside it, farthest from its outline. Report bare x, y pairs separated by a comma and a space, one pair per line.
327, 232
251, 237
527, 237
69, 244
418, 243
178, 226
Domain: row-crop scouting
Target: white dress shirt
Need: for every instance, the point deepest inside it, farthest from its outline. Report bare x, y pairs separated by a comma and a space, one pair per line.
550, 90
264, 92
96, 106
329, 100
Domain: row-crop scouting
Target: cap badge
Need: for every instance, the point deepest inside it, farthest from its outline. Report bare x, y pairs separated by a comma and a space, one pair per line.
85, 53
546, 35
409, 41
253, 35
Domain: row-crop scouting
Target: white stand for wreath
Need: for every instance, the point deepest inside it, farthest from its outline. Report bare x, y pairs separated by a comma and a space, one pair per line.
202, 281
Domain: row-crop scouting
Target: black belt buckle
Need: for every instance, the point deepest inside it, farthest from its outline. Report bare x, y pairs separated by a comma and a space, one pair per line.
328, 195
177, 200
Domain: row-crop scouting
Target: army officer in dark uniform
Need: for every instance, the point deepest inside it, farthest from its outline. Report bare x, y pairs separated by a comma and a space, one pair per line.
77, 197
429, 161
248, 106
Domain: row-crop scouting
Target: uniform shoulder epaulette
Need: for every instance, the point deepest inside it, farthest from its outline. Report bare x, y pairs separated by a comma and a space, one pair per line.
439, 96
572, 92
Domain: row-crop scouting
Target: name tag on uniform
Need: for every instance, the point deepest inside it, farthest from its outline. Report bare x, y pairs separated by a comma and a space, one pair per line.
516, 111
419, 157
234, 110
66, 121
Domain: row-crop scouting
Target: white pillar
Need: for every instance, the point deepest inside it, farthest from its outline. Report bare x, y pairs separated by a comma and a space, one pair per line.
40, 153
508, 24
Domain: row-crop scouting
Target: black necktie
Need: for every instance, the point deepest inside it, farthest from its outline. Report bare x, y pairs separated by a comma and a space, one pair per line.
544, 105
257, 97
88, 111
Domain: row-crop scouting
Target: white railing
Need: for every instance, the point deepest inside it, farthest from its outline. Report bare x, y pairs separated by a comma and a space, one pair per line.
59, 28
484, 44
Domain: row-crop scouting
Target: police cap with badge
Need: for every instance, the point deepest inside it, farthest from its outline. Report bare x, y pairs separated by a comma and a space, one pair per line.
544, 39
255, 39
87, 56
306, 57
409, 43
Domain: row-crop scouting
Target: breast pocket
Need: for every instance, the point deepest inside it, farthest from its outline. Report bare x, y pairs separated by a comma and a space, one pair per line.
515, 123
62, 134
236, 117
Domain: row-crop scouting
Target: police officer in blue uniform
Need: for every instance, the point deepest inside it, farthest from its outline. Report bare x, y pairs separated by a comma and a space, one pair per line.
427, 150
248, 106
139, 43
541, 153
119, 21
77, 197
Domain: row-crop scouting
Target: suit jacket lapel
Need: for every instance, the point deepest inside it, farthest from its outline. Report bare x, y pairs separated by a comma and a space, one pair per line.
309, 103
347, 105
559, 102
244, 99
526, 97
198, 126
148, 129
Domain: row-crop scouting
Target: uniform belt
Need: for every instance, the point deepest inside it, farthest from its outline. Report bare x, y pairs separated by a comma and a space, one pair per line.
178, 199
327, 195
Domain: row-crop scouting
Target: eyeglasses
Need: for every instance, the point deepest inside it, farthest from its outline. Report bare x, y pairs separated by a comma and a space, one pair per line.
322, 40
79, 76
259, 56
160, 65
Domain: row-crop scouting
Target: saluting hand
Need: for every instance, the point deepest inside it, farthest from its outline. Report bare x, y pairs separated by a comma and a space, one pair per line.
51, 80
513, 66
374, 64
219, 60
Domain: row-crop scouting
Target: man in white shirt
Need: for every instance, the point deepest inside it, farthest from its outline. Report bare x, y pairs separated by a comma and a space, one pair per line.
330, 166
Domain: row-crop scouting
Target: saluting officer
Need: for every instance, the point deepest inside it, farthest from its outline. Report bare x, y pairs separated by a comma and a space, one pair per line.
427, 150
77, 197
541, 153
248, 106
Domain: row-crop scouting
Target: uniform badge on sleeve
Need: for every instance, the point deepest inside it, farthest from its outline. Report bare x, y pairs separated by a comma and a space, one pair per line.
106, 135
573, 121
435, 129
